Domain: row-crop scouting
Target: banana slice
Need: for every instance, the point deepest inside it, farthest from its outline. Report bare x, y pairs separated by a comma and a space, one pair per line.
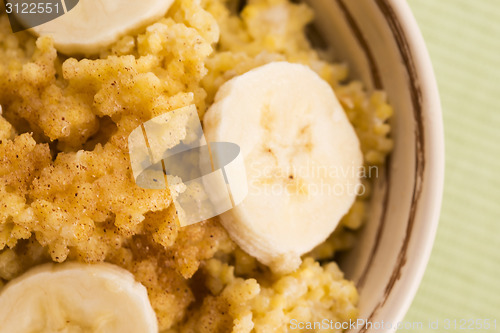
74, 297
302, 160
95, 24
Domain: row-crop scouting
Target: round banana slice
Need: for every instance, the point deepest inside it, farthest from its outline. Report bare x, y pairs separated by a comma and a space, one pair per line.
74, 297
301, 155
95, 24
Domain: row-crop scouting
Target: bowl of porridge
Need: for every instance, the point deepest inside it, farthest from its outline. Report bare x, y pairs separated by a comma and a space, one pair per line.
215, 166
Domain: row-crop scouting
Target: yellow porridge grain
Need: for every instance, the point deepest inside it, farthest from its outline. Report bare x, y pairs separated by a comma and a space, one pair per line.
67, 191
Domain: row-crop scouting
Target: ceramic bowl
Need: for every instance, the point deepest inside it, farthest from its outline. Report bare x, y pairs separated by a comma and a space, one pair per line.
382, 44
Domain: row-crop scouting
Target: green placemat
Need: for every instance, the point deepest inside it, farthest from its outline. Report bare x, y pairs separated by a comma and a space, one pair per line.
462, 281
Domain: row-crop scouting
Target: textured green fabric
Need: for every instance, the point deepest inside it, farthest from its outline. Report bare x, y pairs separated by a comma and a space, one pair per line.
463, 276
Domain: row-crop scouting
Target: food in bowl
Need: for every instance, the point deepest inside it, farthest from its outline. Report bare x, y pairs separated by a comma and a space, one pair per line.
68, 194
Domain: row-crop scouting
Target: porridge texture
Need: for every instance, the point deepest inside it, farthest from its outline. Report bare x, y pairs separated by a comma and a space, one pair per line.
66, 188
